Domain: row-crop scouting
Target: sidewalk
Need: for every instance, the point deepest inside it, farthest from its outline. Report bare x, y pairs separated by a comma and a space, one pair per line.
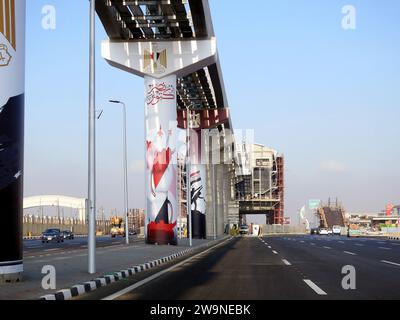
71, 269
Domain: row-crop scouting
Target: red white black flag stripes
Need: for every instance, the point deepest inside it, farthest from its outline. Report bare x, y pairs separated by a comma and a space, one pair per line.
161, 154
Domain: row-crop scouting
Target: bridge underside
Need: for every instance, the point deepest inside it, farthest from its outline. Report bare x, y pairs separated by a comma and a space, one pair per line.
268, 207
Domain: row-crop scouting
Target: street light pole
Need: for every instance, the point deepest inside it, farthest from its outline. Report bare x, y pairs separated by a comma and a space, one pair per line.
125, 160
92, 146
188, 169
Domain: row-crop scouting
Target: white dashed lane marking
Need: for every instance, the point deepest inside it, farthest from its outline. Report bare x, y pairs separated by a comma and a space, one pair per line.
390, 262
286, 262
313, 286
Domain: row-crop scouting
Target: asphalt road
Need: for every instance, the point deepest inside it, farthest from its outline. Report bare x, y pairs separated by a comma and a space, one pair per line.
35, 248
292, 267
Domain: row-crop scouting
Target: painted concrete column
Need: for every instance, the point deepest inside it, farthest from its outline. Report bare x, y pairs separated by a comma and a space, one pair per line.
211, 200
161, 160
161, 63
12, 83
198, 187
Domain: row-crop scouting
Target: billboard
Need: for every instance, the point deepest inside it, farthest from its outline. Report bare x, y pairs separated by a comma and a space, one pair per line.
314, 204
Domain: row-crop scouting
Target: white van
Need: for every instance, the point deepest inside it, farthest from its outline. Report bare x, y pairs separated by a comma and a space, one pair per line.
337, 230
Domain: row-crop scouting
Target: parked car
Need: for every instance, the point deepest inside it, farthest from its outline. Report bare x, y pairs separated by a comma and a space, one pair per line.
337, 230
314, 231
244, 229
52, 235
330, 232
66, 234
323, 232
132, 232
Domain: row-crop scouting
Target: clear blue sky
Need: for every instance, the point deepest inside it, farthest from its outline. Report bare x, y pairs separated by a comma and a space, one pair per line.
327, 98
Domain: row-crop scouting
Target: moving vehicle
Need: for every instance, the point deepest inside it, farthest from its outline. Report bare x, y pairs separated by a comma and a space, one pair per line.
337, 230
52, 235
66, 234
244, 229
323, 232
116, 227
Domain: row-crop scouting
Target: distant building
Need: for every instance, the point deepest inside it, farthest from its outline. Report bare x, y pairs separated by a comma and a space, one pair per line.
260, 184
136, 219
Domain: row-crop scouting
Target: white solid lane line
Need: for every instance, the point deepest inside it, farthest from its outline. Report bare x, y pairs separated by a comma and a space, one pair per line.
313, 286
274, 252
286, 262
350, 253
392, 263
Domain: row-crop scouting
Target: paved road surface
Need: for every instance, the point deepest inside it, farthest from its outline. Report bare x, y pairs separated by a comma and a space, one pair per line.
35, 248
292, 267
70, 262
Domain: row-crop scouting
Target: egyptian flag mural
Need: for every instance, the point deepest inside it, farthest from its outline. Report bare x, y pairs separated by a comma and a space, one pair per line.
198, 202
12, 82
197, 187
161, 171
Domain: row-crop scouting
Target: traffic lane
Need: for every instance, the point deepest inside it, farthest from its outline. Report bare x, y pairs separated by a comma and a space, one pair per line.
29, 244
375, 249
242, 269
374, 279
76, 244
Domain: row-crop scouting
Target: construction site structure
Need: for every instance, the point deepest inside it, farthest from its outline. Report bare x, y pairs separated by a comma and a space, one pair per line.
260, 187
331, 214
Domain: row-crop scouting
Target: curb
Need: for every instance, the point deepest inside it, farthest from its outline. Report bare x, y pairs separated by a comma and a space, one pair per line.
89, 286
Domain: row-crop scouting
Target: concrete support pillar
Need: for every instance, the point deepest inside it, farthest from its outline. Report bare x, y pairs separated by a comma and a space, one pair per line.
198, 186
227, 195
210, 197
222, 198
161, 63
12, 84
212, 191
161, 162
